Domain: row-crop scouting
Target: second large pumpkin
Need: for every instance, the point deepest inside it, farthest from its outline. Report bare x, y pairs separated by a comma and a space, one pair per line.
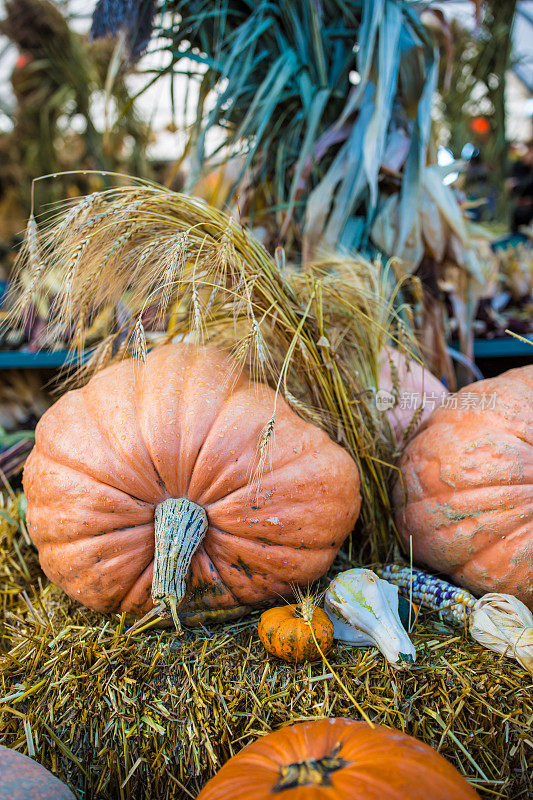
185, 425
466, 494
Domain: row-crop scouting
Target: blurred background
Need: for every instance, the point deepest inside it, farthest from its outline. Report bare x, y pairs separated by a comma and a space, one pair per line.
409, 136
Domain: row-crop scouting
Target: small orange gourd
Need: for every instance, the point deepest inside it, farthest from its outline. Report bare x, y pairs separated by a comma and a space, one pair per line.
291, 632
337, 759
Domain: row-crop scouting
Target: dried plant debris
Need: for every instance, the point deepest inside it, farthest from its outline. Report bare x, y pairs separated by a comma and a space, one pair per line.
164, 265
151, 714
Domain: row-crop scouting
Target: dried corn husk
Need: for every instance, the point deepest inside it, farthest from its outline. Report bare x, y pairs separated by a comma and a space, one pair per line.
434, 227
504, 624
385, 232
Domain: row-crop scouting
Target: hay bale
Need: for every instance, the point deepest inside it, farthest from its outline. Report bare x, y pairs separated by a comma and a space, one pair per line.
127, 715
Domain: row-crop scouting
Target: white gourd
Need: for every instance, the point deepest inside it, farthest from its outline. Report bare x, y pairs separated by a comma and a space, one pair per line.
364, 612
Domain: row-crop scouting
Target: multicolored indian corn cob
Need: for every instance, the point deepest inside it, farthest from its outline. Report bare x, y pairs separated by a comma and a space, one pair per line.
454, 604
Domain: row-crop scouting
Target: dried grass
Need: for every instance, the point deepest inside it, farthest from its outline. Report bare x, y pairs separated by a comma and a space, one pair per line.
316, 335
152, 714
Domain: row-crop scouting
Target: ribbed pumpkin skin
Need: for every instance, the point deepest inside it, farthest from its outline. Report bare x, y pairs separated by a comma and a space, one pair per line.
381, 764
186, 425
286, 634
22, 778
469, 480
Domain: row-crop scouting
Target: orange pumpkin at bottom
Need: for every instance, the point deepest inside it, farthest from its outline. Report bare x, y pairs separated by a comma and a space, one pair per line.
338, 759
287, 631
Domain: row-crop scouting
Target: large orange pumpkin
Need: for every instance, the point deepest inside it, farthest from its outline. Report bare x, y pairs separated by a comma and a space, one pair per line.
177, 439
468, 477
337, 759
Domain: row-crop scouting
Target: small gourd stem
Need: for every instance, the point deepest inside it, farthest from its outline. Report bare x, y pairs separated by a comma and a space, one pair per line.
180, 526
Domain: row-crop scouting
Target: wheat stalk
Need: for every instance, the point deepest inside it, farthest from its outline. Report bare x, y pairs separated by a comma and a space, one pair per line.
140, 350
317, 336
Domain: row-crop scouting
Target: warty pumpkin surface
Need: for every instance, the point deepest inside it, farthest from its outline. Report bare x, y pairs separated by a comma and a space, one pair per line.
337, 759
110, 456
468, 477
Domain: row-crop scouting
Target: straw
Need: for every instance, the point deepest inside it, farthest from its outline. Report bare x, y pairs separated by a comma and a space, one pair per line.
121, 714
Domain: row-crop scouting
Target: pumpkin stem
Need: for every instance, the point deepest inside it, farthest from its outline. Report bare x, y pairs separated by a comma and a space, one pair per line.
313, 772
180, 526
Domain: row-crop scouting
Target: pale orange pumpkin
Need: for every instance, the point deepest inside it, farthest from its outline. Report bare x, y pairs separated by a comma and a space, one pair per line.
416, 387
178, 439
468, 478
337, 759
